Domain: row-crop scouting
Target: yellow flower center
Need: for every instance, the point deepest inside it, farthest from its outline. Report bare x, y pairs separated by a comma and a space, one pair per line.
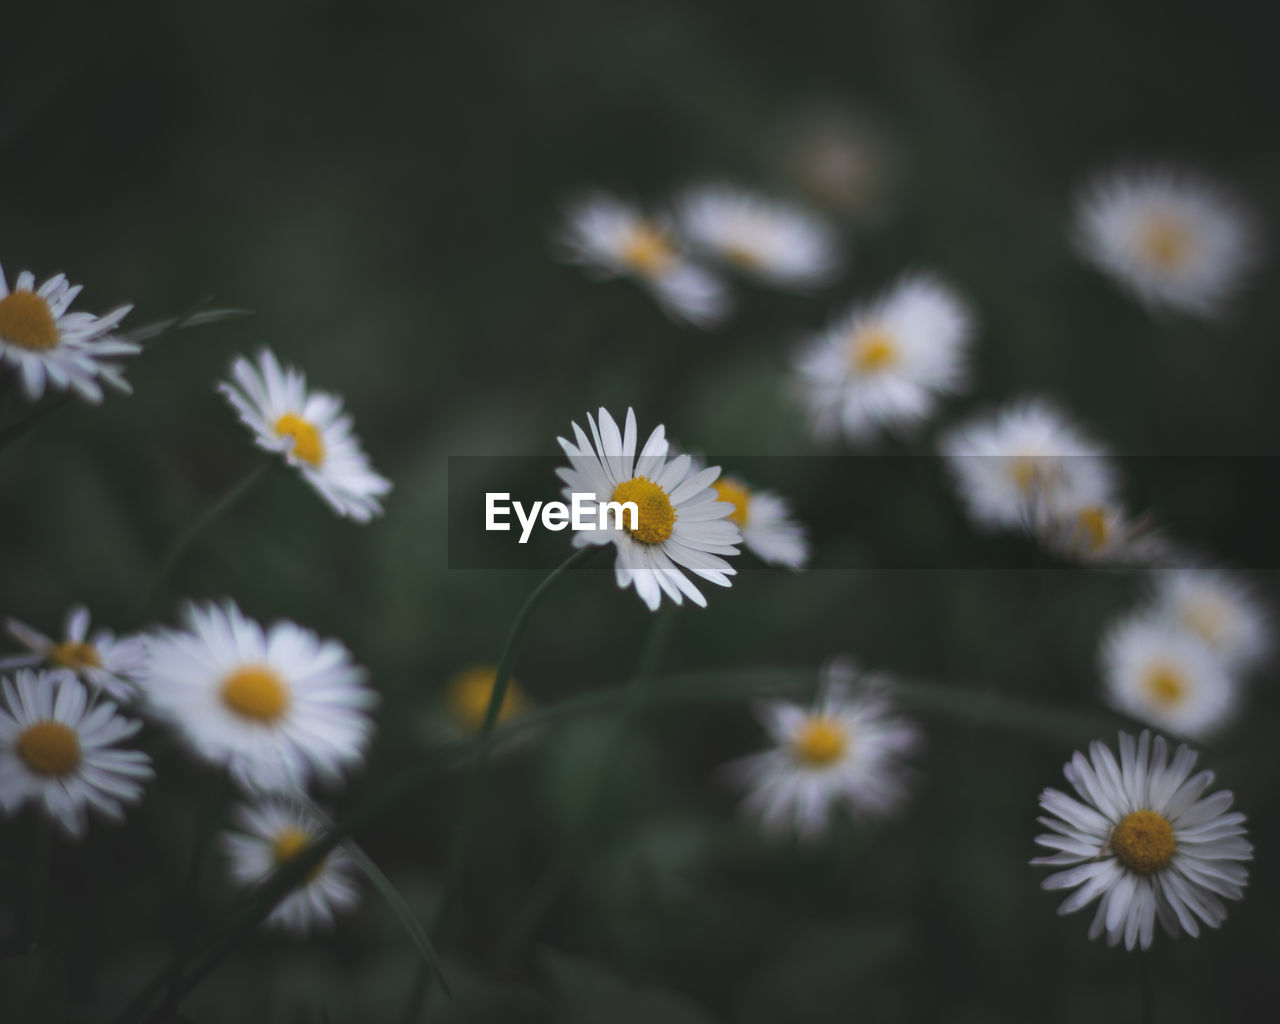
27, 321
288, 843
872, 350
648, 251
1206, 619
1164, 684
818, 742
50, 748
1093, 527
655, 515
469, 693
1143, 841
73, 655
743, 257
737, 496
256, 692
1026, 471
307, 443
1165, 241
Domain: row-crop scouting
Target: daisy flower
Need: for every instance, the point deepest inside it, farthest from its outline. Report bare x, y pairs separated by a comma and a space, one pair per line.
310, 430
468, 693
847, 749
1172, 239
1218, 609
1026, 460
44, 341
274, 706
58, 749
103, 661
1102, 533
1159, 674
776, 243
885, 364
680, 523
1141, 837
611, 238
768, 531
270, 835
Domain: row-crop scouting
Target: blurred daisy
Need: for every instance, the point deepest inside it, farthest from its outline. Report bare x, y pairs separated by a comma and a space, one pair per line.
1159, 674
103, 661
1026, 461
847, 749
1173, 240
774, 242
274, 706
310, 430
1141, 838
272, 834
45, 342
1219, 610
1097, 534
680, 523
58, 749
886, 364
468, 693
611, 238
841, 159
768, 531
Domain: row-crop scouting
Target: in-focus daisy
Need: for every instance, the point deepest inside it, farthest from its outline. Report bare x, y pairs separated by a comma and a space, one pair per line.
611, 238
43, 341
886, 364
1026, 460
847, 749
104, 661
274, 706
468, 693
680, 525
1143, 838
1217, 608
1162, 675
1172, 239
59, 750
768, 531
774, 242
310, 430
270, 835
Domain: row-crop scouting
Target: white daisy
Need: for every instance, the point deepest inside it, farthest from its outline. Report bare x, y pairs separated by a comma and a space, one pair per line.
680, 525
1172, 239
774, 242
310, 430
1217, 608
768, 531
271, 834
1141, 838
1026, 460
611, 238
274, 706
1160, 674
1102, 533
847, 749
43, 341
104, 661
58, 749
886, 364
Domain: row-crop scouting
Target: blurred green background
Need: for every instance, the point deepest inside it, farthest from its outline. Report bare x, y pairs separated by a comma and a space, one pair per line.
378, 183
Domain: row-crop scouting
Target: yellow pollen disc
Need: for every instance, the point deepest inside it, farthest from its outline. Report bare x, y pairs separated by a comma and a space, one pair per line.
742, 257
647, 251
1166, 242
737, 496
307, 443
49, 748
27, 321
1165, 684
1206, 619
655, 515
1143, 841
75, 656
290, 842
469, 693
873, 349
819, 742
256, 692
1026, 472
1093, 527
